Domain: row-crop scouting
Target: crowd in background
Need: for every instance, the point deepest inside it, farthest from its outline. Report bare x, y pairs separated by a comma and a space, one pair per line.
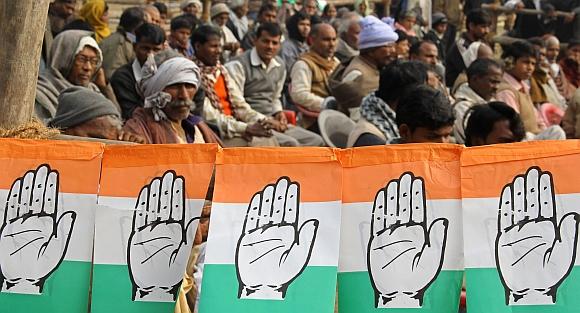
241, 73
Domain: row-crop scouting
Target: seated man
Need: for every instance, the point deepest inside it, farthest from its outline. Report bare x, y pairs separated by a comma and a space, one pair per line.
85, 113
570, 65
180, 31
268, 13
260, 74
298, 27
484, 77
515, 92
150, 40
377, 124
424, 115
225, 106
166, 117
309, 76
493, 123
424, 51
348, 37
75, 59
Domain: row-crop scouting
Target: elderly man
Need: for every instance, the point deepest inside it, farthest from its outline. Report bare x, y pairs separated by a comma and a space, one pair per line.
85, 113
238, 22
166, 116
118, 48
348, 35
150, 40
260, 74
60, 13
74, 60
361, 76
238, 123
310, 74
220, 15
152, 15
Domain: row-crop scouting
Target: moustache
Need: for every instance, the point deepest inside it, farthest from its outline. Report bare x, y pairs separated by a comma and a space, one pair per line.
181, 103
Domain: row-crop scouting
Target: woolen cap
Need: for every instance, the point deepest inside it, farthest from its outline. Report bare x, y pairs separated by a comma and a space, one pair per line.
218, 9
77, 105
375, 33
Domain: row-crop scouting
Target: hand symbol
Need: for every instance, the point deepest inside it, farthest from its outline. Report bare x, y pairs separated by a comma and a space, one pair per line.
33, 242
534, 250
161, 240
273, 250
404, 256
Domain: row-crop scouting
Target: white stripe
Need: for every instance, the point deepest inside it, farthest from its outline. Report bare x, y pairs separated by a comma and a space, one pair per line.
227, 221
355, 233
480, 231
80, 247
114, 222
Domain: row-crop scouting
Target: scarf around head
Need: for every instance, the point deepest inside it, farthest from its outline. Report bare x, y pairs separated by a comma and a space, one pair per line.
173, 71
379, 113
92, 13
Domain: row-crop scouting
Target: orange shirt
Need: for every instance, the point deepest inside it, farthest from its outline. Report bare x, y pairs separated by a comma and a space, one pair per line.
222, 92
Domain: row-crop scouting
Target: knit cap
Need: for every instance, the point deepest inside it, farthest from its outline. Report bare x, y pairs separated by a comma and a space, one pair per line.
77, 105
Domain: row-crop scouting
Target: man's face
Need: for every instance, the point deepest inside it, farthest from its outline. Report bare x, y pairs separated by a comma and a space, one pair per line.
478, 32
384, 55
268, 17
552, 52
103, 127
402, 48
426, 135
325, 41
543, 61
241, 10
190, 9
524, 68
409, 22
427, 54
181, 37
441, 28
352, 34
304, 28
144, 49
153, 16
574, 53
181, 101
65, 8
267, 46
84, 67
222, 19
310, 7
209, 52
500, 133
486, 85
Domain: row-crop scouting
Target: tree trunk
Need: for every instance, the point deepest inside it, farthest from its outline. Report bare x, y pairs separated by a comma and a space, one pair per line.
22, 23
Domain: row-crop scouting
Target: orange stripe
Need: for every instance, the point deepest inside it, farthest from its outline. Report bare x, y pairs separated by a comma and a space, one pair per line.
127, 169
68, 158
243, 172
369, 169
486, 170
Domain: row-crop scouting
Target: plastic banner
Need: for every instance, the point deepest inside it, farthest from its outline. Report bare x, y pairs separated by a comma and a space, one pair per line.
401, 232
274, 232
46, 224
149, 206
521, 213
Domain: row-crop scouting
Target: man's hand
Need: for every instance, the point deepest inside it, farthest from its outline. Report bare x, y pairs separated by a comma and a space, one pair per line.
100, 79
258, 129
278, 124
130, 137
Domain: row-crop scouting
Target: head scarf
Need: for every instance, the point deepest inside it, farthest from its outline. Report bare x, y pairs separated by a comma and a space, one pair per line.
469, 55
92, 13
364, 13
375, 33
178, 70
77, 105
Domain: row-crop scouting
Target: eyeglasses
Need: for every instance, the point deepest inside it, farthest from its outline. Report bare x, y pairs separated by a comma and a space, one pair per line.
82, 60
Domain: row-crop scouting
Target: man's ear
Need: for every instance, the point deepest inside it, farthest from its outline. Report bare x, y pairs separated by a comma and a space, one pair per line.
404, 131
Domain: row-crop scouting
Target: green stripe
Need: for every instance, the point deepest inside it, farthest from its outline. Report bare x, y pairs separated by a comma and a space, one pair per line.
485, 294
65, 291
312, 292
112, 289
356, 294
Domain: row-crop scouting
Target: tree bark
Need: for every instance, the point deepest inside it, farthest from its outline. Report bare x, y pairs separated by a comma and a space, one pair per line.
22, 23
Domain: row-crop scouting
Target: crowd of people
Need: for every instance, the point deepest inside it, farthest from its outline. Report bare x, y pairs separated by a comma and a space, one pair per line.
260, 74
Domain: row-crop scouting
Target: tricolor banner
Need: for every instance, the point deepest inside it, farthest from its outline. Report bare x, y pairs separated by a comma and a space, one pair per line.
149, 206
521, 213
46, 224
401, 230
274, 232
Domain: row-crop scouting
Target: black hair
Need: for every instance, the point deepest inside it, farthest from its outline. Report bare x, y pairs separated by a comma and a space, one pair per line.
266, 7
327, 8
292, 25
537, 41
416, 47
573, 42
423, 106
272, 29
520, 49
203, 34
481, 119
150, 33
180, 22
480, 67
402, 35
399, 75
132, 18
162, 7
477, 17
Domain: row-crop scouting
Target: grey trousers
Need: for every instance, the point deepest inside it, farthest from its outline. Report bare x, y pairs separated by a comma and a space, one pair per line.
296, 136
256, 142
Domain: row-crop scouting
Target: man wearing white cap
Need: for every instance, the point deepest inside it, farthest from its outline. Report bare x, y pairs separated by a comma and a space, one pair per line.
220, 15
377, 45
238, 22
192, 7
